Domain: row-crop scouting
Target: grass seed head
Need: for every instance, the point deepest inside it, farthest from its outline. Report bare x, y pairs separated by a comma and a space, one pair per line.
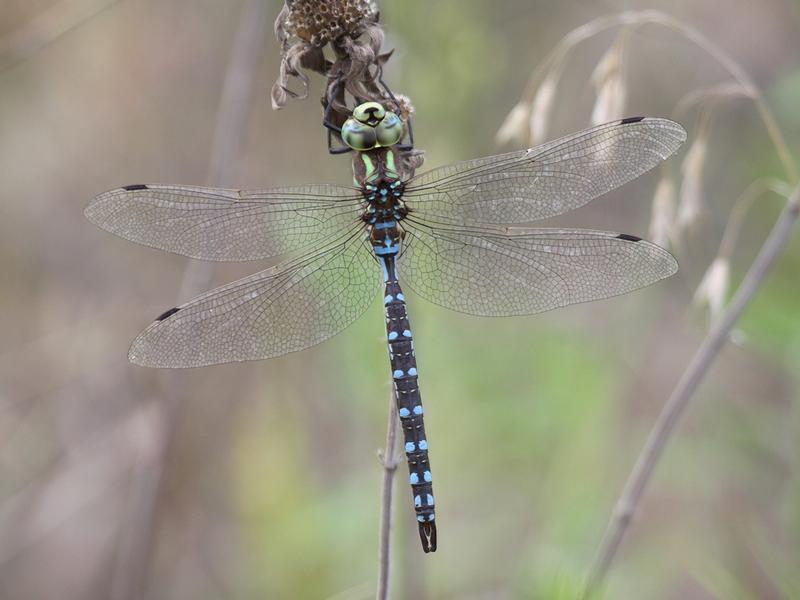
692, 205
609, 83
713, 288
662, 220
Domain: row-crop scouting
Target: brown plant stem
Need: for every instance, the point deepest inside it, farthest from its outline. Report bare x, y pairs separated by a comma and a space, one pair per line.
700, 364
138, 537
390, 461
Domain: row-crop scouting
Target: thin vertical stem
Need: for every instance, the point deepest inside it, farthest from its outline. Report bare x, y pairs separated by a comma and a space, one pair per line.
390, 462
682, 394
138, 537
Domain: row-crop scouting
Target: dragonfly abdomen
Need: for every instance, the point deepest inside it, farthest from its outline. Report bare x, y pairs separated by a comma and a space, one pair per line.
409, 405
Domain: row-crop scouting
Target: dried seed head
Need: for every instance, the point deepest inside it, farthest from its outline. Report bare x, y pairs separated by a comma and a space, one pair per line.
515, 126
542, 106
662, 220
692, 205
713, 289
304, 27
321, 21
609, 84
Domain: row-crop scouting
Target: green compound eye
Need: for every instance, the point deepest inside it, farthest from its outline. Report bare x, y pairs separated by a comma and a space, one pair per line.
359, 136
369, 113
390, 130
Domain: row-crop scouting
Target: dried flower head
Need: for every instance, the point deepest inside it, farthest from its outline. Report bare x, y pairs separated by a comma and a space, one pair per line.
321, 21
349, 31
305, 27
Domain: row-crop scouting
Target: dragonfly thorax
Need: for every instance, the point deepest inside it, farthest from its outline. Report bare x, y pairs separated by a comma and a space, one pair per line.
376, 175
376, 168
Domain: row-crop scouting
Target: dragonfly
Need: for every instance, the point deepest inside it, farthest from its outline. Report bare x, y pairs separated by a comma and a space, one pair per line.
457, 235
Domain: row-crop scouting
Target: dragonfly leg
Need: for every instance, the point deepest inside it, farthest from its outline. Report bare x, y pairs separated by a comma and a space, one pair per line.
334, 129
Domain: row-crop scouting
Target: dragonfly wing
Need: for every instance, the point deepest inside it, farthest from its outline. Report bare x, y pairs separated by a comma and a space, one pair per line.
268, 314
526, 271
545, 181
225, 225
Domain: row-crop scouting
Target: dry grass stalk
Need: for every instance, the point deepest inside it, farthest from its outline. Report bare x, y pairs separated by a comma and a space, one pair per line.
713, 289
664, 227
631, 497
608, 80
633, 19
708, 97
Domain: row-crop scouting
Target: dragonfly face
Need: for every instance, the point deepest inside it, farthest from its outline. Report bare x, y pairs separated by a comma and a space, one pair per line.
372, 126
459, 236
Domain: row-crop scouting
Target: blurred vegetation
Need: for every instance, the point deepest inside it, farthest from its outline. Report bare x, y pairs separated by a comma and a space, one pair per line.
272, 484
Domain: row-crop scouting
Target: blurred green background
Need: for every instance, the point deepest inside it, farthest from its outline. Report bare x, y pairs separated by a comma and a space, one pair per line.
260, 480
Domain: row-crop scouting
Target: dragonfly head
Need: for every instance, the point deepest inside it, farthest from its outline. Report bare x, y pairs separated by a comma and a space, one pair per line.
372, 126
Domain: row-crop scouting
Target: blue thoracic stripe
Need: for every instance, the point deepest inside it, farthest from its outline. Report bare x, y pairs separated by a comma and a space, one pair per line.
386, 250
409, 402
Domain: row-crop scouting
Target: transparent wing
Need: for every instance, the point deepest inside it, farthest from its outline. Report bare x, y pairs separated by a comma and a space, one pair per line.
268, 314
218, 224
545, 181
526, 271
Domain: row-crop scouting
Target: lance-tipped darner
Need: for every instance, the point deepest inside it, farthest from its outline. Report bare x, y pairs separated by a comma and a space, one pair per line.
453, 235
